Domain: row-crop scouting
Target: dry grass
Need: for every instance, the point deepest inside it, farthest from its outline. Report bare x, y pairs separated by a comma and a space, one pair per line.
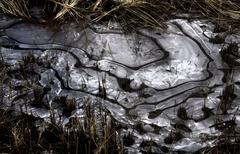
131, 13
20, 135
17, 8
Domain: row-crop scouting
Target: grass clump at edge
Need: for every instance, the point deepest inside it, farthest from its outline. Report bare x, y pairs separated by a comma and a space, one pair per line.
130, 13
20, 134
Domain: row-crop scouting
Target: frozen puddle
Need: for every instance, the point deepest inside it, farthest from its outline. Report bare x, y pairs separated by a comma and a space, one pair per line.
145, 79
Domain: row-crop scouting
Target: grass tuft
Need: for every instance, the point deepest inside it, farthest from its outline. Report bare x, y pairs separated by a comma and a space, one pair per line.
130, 13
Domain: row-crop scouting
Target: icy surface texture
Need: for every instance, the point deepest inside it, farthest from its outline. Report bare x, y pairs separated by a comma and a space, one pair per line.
165, 88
